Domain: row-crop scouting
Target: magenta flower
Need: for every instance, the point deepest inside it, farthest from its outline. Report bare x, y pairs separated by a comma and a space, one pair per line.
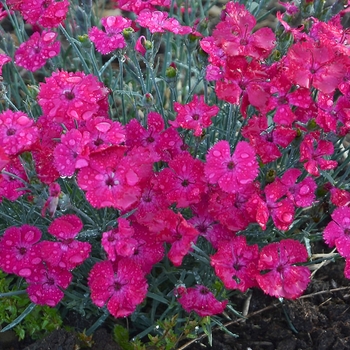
3, 60
17, 132
194, 115
109, 180
119, 241
183, 182
312, 152
158, 22
17, 250
200, 300
337, 231
67, 252
139, 5
234, 33
47, 13
103, 133
52, 201
72, 153
231, 173
235, 263
73, 96
33, 53
112, 38
280, 277
339, 197
45, 284
121, 286
12, 187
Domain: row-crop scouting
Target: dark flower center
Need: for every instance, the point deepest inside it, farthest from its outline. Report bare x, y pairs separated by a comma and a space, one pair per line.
204, 291
69, 95
117, 286
110, 182
185, 183
195, 117
50, 281
22, 250
150, 139
98, 142
11, 132
230, 165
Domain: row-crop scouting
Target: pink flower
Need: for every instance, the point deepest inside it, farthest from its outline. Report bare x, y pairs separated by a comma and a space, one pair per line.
17, 132
12, 187
158, 22
280, 277
33, 53
235, 263
340, 197
312, 152
3, 60
119, 241
200, 300
139, 45
17, 250
47, 13
337, 231
234, 34
231, 173
139, 5
52, 201
112, 39
45, 284
109, 180
121, 286
183, 182
137, 135
194, 115
170, 144
72, 153
73, 96
66, 253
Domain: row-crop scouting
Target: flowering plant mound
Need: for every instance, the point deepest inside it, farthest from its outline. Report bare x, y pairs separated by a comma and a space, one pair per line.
151, 168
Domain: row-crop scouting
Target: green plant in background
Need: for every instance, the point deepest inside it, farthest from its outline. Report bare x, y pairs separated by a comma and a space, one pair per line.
13, 303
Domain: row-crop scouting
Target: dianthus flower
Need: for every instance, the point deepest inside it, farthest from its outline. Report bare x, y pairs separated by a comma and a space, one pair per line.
264, 141
230, 209
111, 180
52, 201
33, 53
183, 182
244, 82
194, 115
17, 132
72, 153
47, 13
104, 133
147, 251
280, 277
45, 284
200, 300
73, 96
312, 152
11, 187
18, 254
337, 231
158, 22
231, 173
235, 263
3, 60
234, 33
3, 14
170, 144
112, 38
137, 135
339, 197
122, 286
315, 65
119, 241
139, 5
67, 252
